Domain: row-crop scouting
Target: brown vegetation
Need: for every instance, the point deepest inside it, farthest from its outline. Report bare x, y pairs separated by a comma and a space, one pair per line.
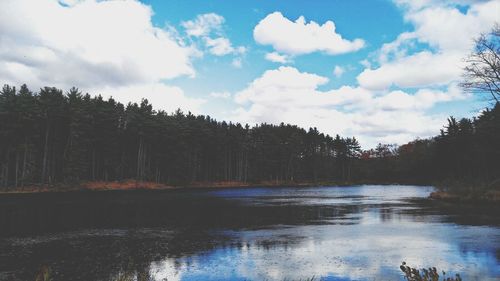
123, 185
468, 192
487, 196
131, 184
424, 274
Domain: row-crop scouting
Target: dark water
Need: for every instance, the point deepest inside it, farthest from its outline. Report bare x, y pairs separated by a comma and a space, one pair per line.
330, 233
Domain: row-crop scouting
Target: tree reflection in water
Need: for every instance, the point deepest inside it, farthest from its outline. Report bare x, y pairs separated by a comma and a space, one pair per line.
193, 235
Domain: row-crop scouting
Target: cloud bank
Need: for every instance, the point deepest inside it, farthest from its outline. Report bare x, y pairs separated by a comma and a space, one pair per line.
75, 43
287, 95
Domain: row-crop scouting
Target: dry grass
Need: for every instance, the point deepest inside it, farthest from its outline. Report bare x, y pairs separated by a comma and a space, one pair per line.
123, 185
220, 184
492, 196
425, 274
94, 186
131, 184
465, 191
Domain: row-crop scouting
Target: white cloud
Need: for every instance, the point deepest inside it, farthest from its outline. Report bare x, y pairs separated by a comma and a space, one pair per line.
220, 46
338, 71
222, 95
447, 28
447, 31
288, 95
397, 48
308, 257
46, 43
204, 25
103, 47
161, 96
299, 37
420, 4
276, 57
422, 99
284, 84
421, 69
208, 31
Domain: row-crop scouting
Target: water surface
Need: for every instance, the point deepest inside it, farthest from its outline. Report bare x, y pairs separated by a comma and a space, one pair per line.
330, 233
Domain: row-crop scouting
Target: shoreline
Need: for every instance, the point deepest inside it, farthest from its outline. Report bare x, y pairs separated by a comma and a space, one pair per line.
491, 197
437, 196
128, 185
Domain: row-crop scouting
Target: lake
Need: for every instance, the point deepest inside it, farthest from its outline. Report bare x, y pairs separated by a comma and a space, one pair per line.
329, 233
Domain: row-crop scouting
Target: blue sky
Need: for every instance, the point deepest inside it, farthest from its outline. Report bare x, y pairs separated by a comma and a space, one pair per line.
351, 19
380, 70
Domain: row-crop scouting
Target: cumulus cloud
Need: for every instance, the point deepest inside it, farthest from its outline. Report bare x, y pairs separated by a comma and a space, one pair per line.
161, 96
271, 85
298, 37
103, 47
276, 57
421, 69
447, 31
422, 99
288, 95
397, 48
447, 28
44, 42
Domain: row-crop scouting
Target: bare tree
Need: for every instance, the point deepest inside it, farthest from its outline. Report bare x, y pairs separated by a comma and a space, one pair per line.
482, 73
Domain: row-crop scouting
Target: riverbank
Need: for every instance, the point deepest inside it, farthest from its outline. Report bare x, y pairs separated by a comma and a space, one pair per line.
459, 192
489, 197
146, 185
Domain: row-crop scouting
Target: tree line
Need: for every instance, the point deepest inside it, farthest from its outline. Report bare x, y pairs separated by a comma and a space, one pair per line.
466, 151
51, 137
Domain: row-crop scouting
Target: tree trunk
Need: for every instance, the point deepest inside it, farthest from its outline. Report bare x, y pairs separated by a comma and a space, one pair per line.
45, 152
23, 173
17, 169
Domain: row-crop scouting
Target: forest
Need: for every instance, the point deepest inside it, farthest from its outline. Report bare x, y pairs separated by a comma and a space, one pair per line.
53, 137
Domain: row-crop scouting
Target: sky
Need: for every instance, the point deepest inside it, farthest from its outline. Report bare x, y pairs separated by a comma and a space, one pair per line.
380, 70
